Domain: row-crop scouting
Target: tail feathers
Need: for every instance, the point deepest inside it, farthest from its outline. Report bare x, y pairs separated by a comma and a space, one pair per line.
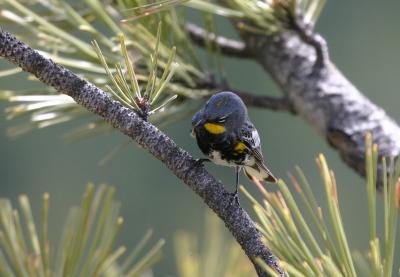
260, 172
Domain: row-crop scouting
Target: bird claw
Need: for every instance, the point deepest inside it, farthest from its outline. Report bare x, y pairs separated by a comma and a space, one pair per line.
235, 196
200, 162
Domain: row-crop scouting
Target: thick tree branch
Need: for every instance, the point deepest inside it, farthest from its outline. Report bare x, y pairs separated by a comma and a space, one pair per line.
229, 47
150, 138
323, 96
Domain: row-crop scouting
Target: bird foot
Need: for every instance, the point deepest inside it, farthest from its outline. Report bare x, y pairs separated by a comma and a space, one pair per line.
235, 196
200, 162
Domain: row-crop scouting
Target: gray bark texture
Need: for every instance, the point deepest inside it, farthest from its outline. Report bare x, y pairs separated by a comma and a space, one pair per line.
321, 94
180, 162
298, 61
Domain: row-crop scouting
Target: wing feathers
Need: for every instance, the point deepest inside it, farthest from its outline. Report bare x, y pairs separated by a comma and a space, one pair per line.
260, 172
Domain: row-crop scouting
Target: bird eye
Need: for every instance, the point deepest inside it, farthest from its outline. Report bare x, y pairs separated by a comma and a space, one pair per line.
221, 119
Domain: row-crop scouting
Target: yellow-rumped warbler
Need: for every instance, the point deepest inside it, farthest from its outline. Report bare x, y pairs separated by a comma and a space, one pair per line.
226, 135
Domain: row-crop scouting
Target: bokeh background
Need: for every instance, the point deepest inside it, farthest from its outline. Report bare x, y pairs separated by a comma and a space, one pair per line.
364, 42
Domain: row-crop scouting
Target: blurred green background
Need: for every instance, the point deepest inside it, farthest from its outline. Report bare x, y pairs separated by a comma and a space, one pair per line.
364, 41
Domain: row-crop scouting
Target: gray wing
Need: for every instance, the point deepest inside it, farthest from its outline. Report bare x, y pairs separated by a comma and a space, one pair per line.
251, 138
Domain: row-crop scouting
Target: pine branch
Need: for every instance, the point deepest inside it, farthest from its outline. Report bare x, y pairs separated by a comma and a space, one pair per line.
229, 47
329, 101
180, 162
297, 59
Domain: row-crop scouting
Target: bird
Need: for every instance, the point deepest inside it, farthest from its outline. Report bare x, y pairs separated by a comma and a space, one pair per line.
225, 134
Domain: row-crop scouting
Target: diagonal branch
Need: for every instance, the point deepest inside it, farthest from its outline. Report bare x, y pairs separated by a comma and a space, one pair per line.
150, 138
229, 47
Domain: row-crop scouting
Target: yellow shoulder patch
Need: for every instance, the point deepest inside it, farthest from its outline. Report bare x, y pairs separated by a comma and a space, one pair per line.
214, 129
240, 147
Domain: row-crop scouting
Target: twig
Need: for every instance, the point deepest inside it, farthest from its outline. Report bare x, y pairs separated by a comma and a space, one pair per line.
229, 47
257, 101
307, 34
150, 138
266, 102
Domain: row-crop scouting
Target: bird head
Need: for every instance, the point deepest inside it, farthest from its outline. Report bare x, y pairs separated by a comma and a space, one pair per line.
223, 111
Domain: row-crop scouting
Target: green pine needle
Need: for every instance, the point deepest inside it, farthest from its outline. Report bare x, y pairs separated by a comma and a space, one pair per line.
131, 96
86, 245
63, 32
323, 250
211, 255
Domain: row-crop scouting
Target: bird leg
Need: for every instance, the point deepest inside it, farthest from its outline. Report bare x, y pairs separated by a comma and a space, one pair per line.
236, 193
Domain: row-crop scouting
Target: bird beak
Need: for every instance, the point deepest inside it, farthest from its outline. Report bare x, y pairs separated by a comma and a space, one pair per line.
198, 123
194, 126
